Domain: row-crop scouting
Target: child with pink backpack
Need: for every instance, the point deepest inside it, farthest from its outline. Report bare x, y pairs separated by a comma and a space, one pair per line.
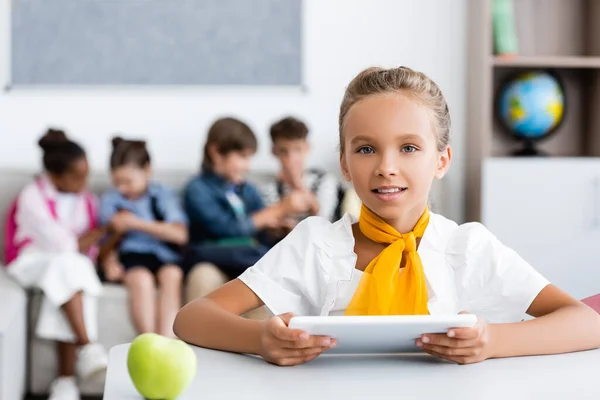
51, 241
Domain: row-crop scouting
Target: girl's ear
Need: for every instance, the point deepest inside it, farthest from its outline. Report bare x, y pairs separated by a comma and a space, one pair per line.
443, 163
344, 167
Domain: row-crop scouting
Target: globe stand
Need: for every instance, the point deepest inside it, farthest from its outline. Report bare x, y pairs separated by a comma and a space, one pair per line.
529, 150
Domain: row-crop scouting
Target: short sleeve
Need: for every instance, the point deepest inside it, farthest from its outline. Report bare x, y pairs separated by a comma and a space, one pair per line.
173, 209
108, 206
492, 280
288, 278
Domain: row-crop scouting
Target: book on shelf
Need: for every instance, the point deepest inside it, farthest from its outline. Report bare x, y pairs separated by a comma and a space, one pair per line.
504, 29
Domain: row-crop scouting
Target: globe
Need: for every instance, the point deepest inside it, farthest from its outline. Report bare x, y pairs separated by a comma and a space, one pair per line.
531, 107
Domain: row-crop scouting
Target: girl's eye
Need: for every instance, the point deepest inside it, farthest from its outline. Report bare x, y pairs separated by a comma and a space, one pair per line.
409, 149
366, 150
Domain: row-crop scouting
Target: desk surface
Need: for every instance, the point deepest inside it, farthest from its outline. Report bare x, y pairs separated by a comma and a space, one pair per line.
232, 376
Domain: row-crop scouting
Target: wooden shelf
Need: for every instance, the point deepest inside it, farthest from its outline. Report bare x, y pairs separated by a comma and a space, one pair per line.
562, 35
575, 62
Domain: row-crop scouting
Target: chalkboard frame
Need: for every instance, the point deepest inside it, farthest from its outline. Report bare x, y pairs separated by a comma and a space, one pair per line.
299, 86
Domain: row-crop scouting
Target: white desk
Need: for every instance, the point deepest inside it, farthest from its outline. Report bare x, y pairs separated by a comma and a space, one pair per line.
232, 376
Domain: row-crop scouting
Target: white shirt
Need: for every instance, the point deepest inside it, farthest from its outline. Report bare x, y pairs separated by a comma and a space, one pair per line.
36, 222
345, 293
466, 268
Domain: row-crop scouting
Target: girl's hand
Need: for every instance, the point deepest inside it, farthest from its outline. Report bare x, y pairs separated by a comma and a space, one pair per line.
284, 346
459, 345
91, 238
124, 221
113, 271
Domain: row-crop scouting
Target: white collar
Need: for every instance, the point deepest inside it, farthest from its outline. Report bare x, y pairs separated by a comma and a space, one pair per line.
340, 246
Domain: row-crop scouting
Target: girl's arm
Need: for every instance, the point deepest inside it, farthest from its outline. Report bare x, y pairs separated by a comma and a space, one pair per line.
214, 322
498, 283
173, 232
109, 245
91, 238
562, 325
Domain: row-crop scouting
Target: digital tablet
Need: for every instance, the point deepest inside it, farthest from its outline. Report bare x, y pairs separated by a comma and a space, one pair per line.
379, 334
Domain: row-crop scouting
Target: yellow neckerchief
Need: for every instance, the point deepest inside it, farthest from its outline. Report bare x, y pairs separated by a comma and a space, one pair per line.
382, 289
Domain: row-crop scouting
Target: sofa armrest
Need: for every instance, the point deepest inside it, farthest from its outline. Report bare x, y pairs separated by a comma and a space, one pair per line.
13, 300
13, 338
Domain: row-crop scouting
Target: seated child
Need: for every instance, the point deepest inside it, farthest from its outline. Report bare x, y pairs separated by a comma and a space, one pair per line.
154, 230
398, 258
51, 244
290, 146
228, 220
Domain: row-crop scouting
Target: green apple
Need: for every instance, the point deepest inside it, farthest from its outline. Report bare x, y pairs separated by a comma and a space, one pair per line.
160, 367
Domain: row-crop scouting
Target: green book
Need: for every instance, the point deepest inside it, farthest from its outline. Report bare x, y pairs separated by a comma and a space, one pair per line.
504, 26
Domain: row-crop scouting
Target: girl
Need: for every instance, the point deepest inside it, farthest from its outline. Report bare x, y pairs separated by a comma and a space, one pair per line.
153, 227
52, 237
398, 258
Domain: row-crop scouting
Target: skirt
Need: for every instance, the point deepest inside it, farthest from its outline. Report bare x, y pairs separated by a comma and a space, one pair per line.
59, 276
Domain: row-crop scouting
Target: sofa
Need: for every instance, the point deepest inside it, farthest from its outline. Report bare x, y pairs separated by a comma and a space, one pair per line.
27, 363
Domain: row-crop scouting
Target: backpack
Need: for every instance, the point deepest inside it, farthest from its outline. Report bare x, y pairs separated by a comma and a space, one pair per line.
160, 217
12, 246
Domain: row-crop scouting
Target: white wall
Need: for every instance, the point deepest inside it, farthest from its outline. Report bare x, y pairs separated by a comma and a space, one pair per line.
341, 38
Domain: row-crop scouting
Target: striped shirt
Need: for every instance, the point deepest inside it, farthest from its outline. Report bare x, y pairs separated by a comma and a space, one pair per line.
325, 187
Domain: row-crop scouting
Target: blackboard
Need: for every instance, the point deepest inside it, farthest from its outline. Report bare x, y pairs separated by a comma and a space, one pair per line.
156, 42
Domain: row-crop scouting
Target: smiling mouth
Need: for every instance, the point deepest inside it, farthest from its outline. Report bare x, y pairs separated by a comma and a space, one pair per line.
389, 190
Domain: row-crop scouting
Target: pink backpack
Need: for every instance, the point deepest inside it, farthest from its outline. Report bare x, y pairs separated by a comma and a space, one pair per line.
12, 247
593, 302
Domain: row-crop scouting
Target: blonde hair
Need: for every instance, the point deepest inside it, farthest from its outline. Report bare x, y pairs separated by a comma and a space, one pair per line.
375, 80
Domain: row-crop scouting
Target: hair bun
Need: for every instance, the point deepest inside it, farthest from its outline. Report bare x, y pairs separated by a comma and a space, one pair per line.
139, 143
116, 141
53, 138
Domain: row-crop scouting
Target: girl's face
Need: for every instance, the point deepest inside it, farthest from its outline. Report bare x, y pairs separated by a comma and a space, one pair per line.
131, 180
74, 180
391, 157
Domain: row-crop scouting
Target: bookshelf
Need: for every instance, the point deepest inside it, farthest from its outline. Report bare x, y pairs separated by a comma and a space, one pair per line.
562, 36
547, 62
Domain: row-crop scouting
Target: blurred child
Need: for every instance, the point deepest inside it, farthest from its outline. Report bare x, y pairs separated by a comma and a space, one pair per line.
289, 138
51, 242
397, 258
228, 220
154, 230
